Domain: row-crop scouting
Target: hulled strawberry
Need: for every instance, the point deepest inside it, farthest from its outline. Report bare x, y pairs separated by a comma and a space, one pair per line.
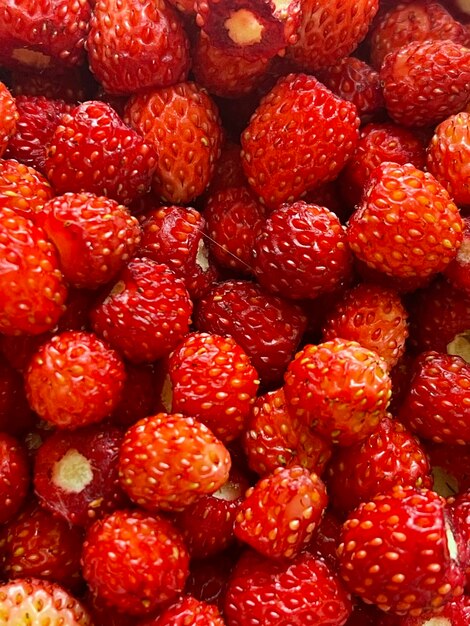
9, 116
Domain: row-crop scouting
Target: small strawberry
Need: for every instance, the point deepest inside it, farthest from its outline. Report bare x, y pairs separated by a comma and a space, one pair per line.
134, 561
338, 388
459, 509
70, 84
168, 461
16, 418
398, 552
74, 379
325, 540
282, 157
456, 613
14, 477
141, 395
450, 466
8, 115
187, 610
208, 578
458, 270
228, 169
23, 189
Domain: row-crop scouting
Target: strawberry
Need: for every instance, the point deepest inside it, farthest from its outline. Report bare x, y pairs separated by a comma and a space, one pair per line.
74, 379
14, 476
168, 461
228, 169
39, 601
146, 313
374, 317
9, 116
398, 552
280, 513
134, 561
76, 474
321, 388
141, 395
455, 613
208, 578
458, 270
282, 157
266, 327
138, 45
16, 418
213, 380
426, 82
71, 84
390, 456
23, 189
407, 225
301, 252
298, 592
182, 124
93, 150
187, 610
460, 513
94, 237
31, 284
450, 465
437, 404
325, 540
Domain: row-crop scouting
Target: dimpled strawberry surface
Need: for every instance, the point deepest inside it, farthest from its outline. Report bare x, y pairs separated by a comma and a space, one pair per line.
234, 313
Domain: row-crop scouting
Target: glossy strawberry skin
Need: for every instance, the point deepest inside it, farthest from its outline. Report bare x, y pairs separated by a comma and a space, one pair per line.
134, 47
74, 380
187, 610
396, 552
321, 385
14, 476
285, 116
9, 116
168, 461
23, 189
31, 286
134, 561
391, 232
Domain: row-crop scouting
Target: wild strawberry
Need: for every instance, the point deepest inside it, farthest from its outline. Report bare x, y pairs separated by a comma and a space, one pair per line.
104, 615
176, 236
426, 82
329, 32
146, 313
299, 591
281, 156
38, 545
208, 578
374, 317
390, 456
228, 170
132, 47
268, 328
23, 189
93, 150
450, 466
325, 540
454, 613
134, 561
327, 195
419, 20
76, 474
275, 438
34, 600
339, 388
16, 418
398, 552
182, 124
458, 270
213, 380
14, 476
32, 290
141, 395
437, 404
71, 84
407, 224
168, 461
74, 380
187, 610
9, 116
94, 237
41, 36
459, 509
280, 513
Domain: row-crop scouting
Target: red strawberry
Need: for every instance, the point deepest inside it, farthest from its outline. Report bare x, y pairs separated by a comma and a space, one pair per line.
14, 476
32, 290
325, 540
460, 511
74, 380
398, 552
458, 270
46, 35
455, 613
182, 124
8, 114
208, 577
331, 31
187, 610
69, 84
437, 404
168, 461
132, 47
141, 395
94, 236
16, 418
339, 388
268, 328
93, 150
282, 157
228, 169
23, 189
146, 313
134, 561
426, 82
407, 224
39, 601
450, 465
295, 592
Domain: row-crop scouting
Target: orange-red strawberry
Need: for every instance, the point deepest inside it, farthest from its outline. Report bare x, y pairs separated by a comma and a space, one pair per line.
136, 45
458, 270
14, 477
23, 189
282, 157
8, 116
168, 461
187, 610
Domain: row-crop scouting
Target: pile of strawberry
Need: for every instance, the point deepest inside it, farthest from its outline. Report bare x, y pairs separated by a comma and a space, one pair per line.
234, 313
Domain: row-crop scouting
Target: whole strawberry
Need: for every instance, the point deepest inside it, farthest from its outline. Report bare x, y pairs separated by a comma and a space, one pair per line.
282, 157
14, 477
8, 115
187, 610
23, 189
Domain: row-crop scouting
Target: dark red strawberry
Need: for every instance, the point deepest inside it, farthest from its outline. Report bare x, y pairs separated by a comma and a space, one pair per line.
134, 561
187, 610
70, 84
132, 47
458, 270
16, 417
14, 476
208, 577
450, 466
228, 169
74, 380
8, 114
141, 395
325, 539
23, 189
